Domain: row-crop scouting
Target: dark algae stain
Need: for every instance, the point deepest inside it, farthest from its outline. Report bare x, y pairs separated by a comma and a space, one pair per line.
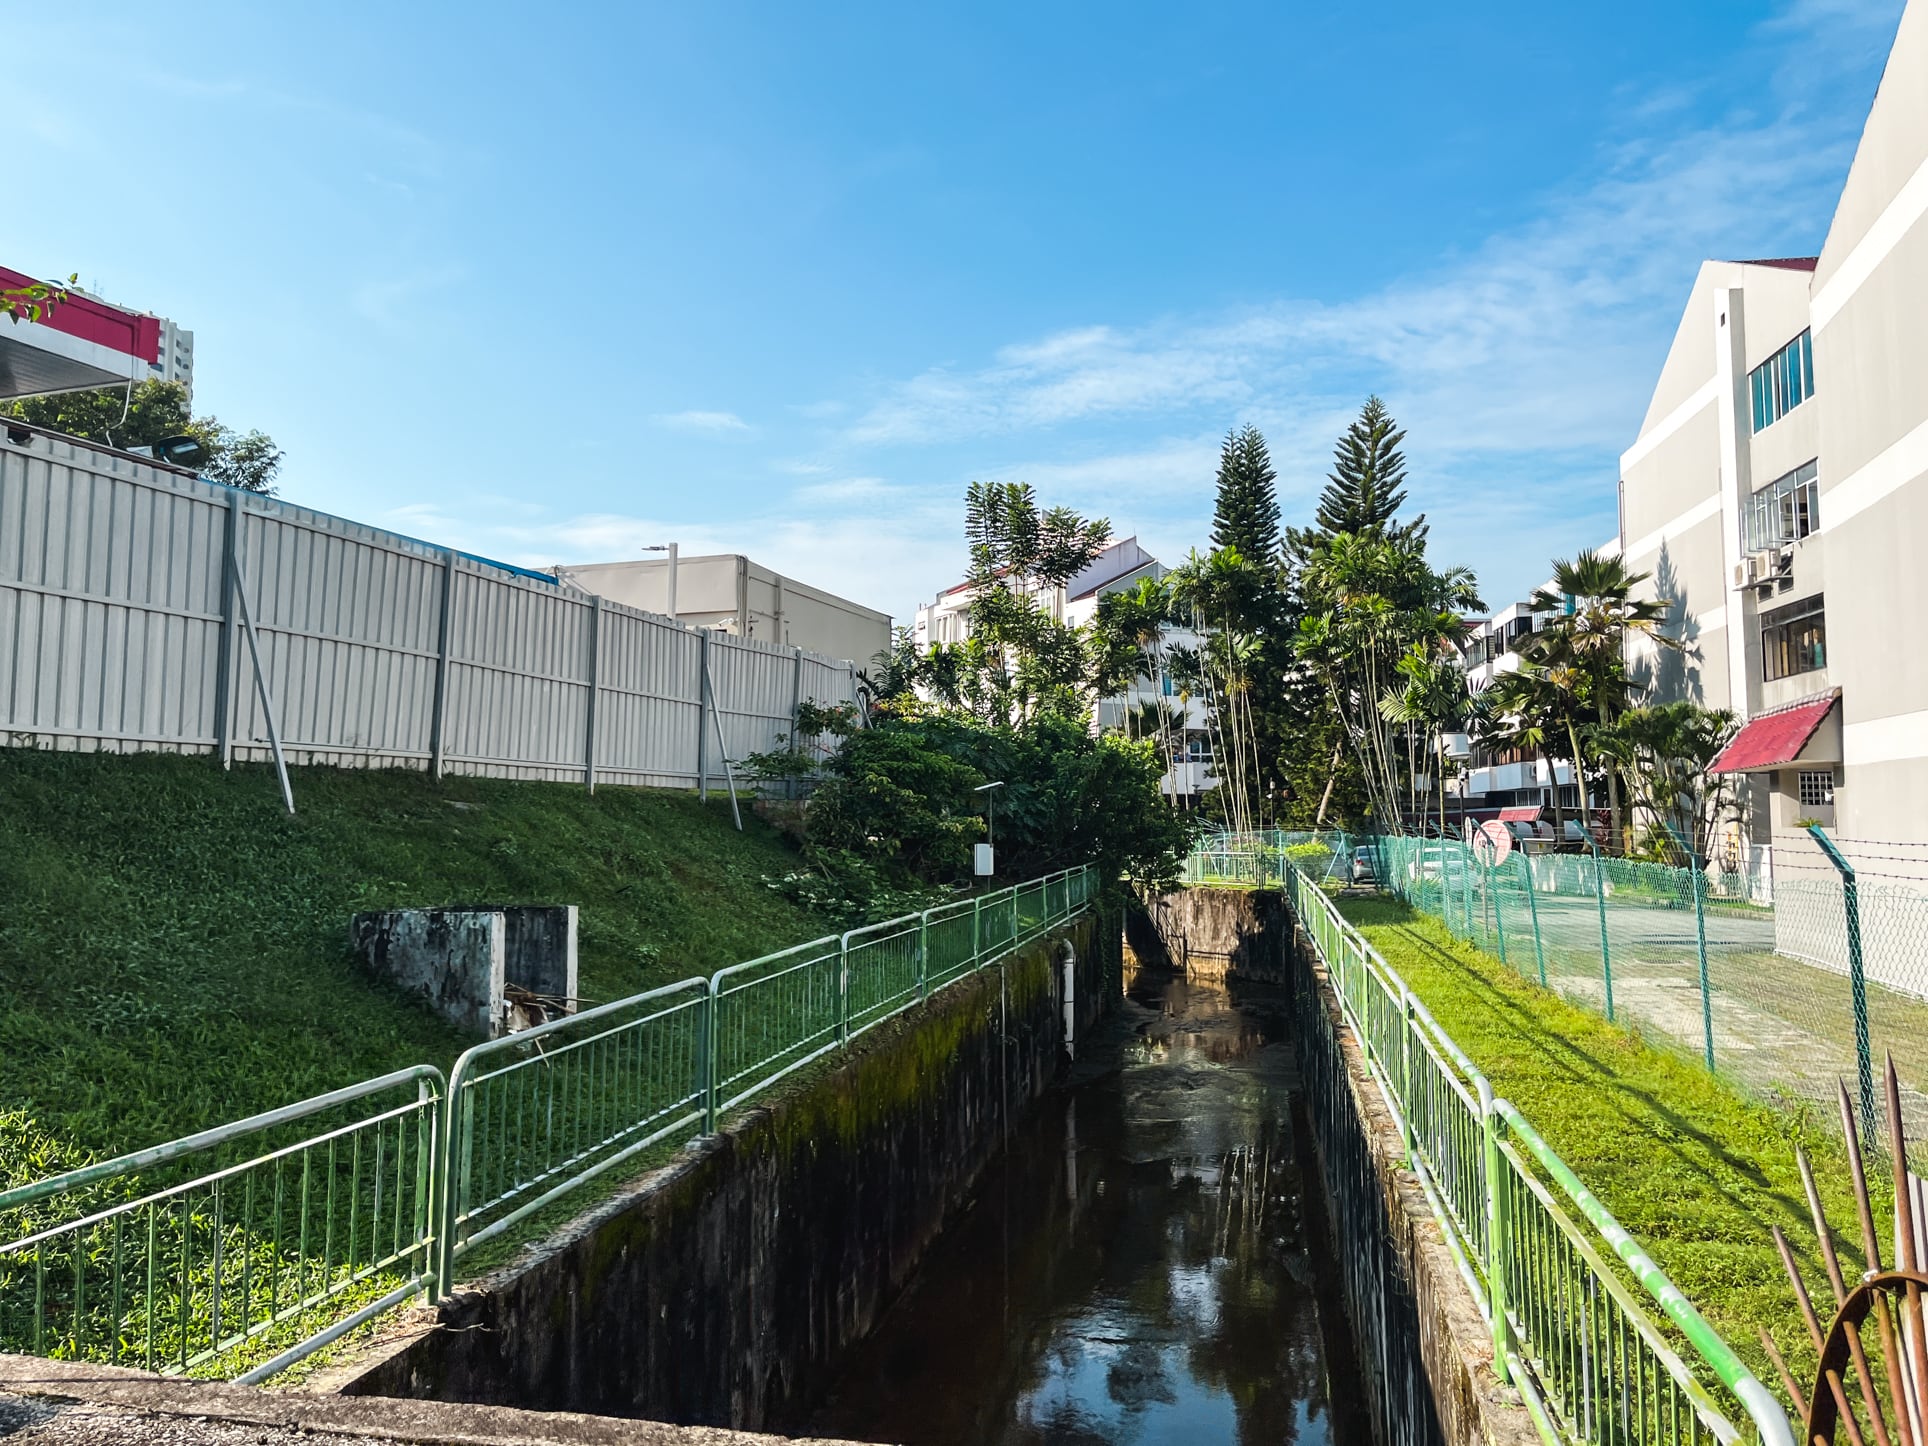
1140, 1266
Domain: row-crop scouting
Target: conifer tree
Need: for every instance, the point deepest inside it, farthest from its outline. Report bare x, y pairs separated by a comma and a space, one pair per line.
1365, 488
1247, 516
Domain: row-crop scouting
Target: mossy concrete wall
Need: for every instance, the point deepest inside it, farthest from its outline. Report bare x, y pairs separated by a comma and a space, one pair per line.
1213, 934
723, 1289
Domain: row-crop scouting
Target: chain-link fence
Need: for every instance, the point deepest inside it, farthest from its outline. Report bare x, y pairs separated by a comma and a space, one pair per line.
1784, 999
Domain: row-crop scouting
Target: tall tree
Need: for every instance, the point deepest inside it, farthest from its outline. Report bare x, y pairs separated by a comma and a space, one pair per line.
1247, 516
1366, 487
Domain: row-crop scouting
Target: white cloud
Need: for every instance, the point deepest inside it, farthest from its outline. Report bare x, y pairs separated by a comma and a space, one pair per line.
715, 422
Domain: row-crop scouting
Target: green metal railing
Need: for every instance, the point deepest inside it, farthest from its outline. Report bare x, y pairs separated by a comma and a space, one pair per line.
240, 1250
237, 1250
534, 1115
1568, 1330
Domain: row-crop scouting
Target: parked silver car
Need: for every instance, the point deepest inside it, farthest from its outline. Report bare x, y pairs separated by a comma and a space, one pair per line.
1362, 866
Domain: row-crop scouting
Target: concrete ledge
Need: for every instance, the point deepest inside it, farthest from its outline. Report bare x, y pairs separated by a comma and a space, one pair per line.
120, 1405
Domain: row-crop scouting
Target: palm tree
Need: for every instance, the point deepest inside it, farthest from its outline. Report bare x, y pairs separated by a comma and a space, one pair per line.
1527, 709
1584, 648
1218, 594
1432, 696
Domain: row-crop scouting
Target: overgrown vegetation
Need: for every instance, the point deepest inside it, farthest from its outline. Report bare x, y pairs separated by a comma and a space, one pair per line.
174, 948
1694, 1170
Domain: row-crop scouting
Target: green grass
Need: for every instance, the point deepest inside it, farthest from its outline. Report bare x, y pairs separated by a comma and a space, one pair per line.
1696, 1171
173, 946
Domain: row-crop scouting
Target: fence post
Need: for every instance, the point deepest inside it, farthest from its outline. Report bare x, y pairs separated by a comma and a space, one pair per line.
1600, 896
703, 716
595, 690
1700, 944
224, 679
1465, 882
1697, 881
1406, 1074
1499, 910
843, 990
1533, 903
1857, 974
977, 930
924, 955
1497, 1245
1014, 917
439, 723
706, 1059
427, 1157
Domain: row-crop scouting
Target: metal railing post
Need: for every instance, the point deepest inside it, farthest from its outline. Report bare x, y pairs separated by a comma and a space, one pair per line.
1466, 883
1497, 1251
924, 955
843, 990
1499, 910
1533, 903
977, 930
1857, 975
1406, 1076
1698, 882
1600, 896
706, 1058
428, 1185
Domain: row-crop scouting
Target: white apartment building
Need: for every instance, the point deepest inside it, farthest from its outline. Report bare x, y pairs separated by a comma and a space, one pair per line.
1120, 567
176, 361
1778, 494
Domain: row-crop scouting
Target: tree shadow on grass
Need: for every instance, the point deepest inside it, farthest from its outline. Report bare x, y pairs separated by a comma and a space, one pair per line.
1514, 1022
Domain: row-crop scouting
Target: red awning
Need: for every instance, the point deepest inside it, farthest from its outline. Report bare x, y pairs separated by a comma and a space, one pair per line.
1773, 740
1525, 814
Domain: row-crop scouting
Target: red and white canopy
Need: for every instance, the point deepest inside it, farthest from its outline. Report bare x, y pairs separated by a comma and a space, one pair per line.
82, 343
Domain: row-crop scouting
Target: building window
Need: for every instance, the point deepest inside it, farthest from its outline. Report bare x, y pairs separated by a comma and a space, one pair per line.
1785, 510
1817, 788
1783, 381
1794, 639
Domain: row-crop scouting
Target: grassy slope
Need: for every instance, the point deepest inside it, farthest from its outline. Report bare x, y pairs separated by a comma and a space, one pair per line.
1695, 1171
173, 947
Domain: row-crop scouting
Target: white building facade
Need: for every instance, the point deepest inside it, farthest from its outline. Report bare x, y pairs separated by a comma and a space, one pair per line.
1778, 494
1119, 568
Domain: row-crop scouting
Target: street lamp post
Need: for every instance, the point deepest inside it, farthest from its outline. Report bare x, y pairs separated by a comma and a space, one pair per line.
987, 860
670, 548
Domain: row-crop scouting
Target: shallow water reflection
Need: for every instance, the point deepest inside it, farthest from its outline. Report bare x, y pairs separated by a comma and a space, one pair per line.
1138, 1268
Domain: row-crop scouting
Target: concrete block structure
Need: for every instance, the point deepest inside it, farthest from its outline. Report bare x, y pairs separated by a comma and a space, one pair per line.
488, 970
1778, 494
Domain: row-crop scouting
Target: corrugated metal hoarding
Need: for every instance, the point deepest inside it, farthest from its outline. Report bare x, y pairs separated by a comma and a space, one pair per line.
119, 630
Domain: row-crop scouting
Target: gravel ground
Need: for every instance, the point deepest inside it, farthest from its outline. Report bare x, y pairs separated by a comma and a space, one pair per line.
42, 1423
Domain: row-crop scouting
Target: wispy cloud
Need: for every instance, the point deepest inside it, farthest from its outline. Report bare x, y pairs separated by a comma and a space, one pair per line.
1521, 367
713, 422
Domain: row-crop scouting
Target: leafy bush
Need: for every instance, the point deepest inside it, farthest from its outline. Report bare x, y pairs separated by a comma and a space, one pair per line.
900, 798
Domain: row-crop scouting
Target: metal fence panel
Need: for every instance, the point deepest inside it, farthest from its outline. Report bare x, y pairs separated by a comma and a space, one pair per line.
118, 631
245, 1246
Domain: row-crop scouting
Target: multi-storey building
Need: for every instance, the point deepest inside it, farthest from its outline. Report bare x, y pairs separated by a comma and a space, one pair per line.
1120, 567
1778, 494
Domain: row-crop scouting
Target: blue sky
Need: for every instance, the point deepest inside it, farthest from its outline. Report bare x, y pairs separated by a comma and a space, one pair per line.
558, 282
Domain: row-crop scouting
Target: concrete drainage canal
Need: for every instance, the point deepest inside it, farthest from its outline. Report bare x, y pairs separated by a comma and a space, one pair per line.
1089, 1196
